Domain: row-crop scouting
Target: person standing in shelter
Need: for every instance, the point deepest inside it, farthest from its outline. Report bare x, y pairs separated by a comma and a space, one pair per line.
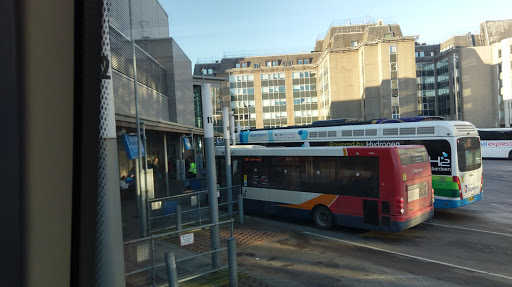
124, 187
192, 170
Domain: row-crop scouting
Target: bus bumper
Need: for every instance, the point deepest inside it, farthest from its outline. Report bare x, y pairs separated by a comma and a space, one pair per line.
397, 226
449, 203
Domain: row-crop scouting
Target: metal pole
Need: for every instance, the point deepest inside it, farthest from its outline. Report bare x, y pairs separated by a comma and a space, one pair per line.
232, 127
178, 217
137, 119
241, 206
229, 180
109, 252
194, 151
211, 173
153, 260
145, 191
199, 208
172, 273
138, 185
166, 163
232, 265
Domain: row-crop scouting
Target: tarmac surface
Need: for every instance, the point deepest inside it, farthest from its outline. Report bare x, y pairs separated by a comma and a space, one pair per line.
468, 246
253, 231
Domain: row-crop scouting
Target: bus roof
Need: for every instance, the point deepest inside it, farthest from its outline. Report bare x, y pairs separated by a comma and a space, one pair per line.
382, 131
255, 150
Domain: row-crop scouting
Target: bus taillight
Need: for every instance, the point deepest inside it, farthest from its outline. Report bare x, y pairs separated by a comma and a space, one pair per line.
482, 183
402, 205
457, 180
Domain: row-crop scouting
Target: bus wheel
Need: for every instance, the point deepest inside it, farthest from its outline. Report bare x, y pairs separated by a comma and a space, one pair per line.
322, 217
510, 154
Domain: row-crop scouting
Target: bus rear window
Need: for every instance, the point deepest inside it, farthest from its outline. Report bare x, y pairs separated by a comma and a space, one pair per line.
469, 154
413, 155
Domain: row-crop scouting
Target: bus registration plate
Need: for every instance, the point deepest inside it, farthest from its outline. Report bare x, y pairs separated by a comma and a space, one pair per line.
471, 198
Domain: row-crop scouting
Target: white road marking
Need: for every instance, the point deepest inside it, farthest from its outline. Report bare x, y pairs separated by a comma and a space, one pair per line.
470, 229
411, 256
498, 205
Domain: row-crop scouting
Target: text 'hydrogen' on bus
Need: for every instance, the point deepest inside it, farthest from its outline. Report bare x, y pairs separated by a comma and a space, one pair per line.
453, 147
375, 188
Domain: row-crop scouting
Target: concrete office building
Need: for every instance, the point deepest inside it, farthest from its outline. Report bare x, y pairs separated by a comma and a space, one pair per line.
468, 77
164, 88
357, 71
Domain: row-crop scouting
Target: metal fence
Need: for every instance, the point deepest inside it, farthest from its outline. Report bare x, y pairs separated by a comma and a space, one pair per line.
145, 257
190, 208
171, 218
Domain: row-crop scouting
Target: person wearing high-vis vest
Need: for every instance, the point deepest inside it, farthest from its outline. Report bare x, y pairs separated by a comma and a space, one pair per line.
192, 170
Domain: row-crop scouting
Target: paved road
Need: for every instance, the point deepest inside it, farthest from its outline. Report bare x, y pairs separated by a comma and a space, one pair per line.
469, 246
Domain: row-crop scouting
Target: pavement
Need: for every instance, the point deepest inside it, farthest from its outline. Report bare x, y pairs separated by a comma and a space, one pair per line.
137, 253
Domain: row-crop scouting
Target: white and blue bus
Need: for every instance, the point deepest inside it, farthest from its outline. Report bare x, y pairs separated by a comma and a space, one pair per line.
496, 142
453, 148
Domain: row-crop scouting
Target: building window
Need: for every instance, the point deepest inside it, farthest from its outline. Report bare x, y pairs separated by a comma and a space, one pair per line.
417, 54
353, 44
244, 64
237, 65
387, 35
422, 54
306, 61
299, 62
290, 63
499, 53
269, 64
210, 71
256, 65
274, 63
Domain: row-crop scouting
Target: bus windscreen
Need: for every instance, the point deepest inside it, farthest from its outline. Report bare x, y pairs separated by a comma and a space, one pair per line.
469, 153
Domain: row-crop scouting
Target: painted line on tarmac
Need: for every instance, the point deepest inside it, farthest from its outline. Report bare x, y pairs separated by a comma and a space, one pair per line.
411, 256
470, 229
498, 205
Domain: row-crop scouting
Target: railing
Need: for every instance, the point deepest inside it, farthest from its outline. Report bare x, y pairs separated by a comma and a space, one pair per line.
145, 257
187, 209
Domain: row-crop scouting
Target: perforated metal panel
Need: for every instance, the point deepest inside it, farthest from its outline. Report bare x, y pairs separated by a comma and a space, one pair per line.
149, 72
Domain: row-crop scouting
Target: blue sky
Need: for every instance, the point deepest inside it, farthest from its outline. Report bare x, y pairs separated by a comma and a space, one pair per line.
208, 30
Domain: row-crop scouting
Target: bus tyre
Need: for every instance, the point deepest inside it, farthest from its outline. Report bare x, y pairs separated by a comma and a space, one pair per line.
322, 217
510, 154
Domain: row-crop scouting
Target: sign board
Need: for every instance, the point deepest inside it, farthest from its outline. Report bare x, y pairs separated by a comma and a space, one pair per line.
187, 239
131, 147
187, 144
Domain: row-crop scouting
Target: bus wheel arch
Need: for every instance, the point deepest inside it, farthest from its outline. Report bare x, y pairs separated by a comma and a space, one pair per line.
322, 217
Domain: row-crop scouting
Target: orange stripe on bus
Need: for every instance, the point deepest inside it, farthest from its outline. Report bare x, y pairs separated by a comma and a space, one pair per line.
324, 199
